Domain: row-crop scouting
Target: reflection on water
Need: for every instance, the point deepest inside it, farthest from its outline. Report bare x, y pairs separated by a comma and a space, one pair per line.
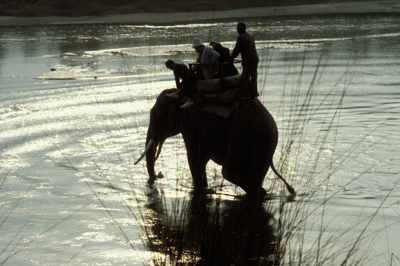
203, 231
121, 48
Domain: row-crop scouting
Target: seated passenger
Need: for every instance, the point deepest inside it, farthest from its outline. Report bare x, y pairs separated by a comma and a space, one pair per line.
208, 59
181, 71
229, 68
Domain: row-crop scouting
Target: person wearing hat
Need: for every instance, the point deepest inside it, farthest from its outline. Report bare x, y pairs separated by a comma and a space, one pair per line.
208, 59
245, 45
229, 68
181, 71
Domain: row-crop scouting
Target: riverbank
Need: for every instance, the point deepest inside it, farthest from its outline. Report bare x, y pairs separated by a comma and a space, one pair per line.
367, 7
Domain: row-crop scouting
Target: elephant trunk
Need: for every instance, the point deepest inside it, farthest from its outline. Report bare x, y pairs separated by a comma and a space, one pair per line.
152, 152
150, 155
163, 124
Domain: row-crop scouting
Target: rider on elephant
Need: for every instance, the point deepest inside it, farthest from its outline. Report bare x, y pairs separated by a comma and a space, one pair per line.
228, 68
208, 59
181, 71
245, 45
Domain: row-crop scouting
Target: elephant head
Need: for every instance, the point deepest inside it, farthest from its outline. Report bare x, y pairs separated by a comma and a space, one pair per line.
164, 123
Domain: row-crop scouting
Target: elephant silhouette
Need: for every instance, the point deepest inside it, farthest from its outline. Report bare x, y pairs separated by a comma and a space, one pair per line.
244, 143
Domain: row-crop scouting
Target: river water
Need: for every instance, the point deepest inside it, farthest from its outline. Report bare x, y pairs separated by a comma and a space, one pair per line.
74, 111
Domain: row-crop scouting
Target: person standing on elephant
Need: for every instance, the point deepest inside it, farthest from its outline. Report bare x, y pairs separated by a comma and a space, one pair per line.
208, 69
229, 68
181, 71
245, 45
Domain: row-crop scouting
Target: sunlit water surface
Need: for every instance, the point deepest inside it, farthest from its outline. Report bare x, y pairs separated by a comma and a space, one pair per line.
74, 111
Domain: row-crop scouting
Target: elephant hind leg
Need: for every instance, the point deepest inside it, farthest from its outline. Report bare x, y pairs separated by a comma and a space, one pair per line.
248, 178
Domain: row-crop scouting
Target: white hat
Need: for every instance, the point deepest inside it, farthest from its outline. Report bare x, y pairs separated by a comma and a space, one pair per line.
215, 40
197, 42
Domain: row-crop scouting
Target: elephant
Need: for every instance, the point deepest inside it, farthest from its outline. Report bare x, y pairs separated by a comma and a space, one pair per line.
243, 144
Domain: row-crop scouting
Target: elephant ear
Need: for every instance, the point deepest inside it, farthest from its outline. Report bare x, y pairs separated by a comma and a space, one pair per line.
182, 100
179, 102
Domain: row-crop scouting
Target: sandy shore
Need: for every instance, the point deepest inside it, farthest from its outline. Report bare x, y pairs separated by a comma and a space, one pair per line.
390, 6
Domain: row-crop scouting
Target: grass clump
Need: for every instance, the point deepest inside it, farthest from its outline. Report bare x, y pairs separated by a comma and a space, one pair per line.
211, 231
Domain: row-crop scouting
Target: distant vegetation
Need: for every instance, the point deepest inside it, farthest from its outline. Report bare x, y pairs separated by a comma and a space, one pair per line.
38, 8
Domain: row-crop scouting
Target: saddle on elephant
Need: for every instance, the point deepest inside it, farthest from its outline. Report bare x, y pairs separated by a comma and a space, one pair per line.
218, 95
220, 90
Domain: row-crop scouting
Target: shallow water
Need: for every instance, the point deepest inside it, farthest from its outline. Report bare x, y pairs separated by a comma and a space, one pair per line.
74, 112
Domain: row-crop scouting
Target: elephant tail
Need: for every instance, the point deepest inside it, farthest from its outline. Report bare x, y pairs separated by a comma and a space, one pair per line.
289, 187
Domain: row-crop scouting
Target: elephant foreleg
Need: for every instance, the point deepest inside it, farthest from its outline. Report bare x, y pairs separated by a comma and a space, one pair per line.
198, 170
199, 175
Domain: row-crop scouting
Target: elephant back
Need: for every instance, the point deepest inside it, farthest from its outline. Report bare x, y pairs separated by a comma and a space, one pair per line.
254, 114
218, 85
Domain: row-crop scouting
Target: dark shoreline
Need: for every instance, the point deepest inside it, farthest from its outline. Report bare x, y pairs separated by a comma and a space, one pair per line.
370, 8
74, 8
